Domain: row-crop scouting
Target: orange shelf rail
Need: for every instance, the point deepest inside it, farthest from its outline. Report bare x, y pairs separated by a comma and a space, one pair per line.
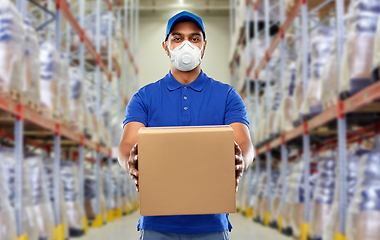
30, 115
349, 105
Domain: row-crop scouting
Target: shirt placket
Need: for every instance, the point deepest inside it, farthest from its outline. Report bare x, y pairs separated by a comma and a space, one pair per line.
185, 105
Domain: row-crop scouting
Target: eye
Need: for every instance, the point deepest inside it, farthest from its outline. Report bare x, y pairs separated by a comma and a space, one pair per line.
195, 39
176, 39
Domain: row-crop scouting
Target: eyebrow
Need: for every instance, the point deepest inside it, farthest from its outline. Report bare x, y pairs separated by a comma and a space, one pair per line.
192, 34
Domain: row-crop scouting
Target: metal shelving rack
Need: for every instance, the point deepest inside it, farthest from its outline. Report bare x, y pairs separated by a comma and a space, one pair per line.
26, 117
304, 132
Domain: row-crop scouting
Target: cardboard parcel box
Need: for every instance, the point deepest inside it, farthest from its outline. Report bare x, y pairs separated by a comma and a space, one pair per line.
186, 170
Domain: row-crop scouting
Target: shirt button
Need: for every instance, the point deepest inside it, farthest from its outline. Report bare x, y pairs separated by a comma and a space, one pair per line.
185, 108
185, 97
185, 88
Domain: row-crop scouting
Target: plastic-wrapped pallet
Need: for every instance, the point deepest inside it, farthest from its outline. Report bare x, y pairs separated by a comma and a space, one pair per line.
109, 188
320, 49
285, 211
90, 99
329, 83
64, 90
41, 202
277, 205
363, 217
273, 181
273, 124
50, 79
286, 107
12, 51
260, 194
376, 55
324, 195
74, 211
49, 171
32, 66
332, 223
252, 190
90, 195
245, 199
359, 48
298, 96
297, 193
29, 225
7, 213
76, 100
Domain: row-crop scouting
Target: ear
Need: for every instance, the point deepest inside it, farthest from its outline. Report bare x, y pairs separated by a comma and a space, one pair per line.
165, 47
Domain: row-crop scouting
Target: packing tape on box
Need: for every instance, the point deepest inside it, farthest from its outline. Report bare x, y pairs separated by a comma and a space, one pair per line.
266, 218
304, 231
280, 223
59, 232
85, 225
98, 221
23, 237
339, 236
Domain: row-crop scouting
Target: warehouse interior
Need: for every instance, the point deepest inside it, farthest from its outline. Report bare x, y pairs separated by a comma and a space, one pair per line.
307, 71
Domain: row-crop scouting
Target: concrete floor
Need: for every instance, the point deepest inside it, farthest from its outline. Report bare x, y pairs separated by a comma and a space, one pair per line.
125, 229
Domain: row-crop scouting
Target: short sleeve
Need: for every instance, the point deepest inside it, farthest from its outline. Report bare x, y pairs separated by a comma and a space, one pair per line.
136, 110
235, 109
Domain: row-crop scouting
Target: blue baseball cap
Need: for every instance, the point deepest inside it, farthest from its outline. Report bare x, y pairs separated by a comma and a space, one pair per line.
184, 17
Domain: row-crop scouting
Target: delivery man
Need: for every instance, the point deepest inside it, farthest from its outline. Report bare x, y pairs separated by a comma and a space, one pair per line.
186, 96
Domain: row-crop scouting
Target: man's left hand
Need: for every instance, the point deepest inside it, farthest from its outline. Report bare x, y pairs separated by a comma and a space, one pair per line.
239, 164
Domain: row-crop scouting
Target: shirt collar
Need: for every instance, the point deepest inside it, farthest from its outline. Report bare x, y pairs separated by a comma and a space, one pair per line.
197, 85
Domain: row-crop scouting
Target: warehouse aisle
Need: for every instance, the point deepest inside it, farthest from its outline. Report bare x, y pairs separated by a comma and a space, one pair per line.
125, 229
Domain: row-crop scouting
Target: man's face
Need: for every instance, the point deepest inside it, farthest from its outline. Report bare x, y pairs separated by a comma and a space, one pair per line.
185, 31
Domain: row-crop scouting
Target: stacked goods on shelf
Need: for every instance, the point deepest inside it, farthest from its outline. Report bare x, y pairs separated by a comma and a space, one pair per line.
357, 60
90, 189
277, 205
298, 95
332, 223
104, 123
50, 80
320, 47
7, 213
29, 224
49, 171
76, 100
296, 196
109, 188
41, 203
12, 39
329, 82
259, 199
253, 190
91, 120
32, 66
263, 206
74, 211
376, 55
285, 117
363, 217
273, 123
129, 194
247, 208
242, 194
261, 131
285, 210
64, 91
324, 195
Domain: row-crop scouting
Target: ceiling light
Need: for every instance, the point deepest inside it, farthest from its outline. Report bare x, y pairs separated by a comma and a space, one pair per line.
181, 2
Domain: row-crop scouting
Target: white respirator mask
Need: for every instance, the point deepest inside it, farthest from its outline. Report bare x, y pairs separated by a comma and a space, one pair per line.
186, 56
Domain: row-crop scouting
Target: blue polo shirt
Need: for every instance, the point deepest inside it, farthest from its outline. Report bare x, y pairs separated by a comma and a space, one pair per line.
167, 102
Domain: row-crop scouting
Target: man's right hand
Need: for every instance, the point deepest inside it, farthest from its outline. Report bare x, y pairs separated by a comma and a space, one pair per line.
133, 165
